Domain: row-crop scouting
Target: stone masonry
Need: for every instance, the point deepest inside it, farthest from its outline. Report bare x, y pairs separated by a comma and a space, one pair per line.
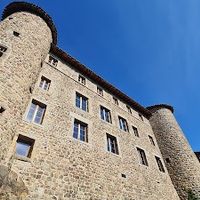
60, 166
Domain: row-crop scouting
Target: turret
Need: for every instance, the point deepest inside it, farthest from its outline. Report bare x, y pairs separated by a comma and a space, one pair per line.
26, 34
181, 162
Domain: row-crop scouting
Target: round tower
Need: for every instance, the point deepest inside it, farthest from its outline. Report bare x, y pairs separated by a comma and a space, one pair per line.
181, 162
26, 34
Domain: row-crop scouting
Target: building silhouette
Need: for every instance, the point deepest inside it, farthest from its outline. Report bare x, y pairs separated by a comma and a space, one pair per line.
68, 134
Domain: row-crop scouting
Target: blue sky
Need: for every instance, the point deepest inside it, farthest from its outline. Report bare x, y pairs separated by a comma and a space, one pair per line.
148, 49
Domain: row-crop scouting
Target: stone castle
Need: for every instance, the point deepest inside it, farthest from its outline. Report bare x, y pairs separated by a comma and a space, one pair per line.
68, 134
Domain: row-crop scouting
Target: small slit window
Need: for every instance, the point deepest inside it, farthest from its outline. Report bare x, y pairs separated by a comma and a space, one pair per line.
151, 140
135, 131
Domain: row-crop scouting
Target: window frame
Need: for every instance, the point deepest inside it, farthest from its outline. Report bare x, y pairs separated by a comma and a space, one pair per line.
123, 124
151, 140
160, 164
116, 101
37, 105
135, 131
28, 142
52, 61
82, 97
142, 157
105, 114
100, 91
81, 79
129, 109
80, 123
109, 140
45, 81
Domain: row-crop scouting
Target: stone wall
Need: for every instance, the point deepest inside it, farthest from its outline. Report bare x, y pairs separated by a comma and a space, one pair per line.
19, 68
62, 167
180, 160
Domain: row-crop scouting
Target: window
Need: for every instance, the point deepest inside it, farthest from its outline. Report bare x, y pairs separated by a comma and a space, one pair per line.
80, 131
112, 144
123, 124
115, 100
52, 61
81, 80
129, 109
24, 146
160, 165
142, 157
105, 114
81, 102
151, 140
2, 50
100, 91
141, 117
36, 112
44, 83
135, 130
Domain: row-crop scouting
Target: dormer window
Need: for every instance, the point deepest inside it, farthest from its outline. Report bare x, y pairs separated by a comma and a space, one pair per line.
52, 61
3, 49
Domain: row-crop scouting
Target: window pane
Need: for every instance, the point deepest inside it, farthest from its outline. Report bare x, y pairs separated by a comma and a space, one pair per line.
84, 104
82, 133
22, 149
39, 115
41, 83
75, 134
31, 112
78, 101
102, 113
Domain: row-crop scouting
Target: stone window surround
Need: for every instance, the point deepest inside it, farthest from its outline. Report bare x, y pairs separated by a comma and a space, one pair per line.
110, 137
139, 155
44, 83
27, 110
81, 79
104, 111
123, 124
25, 140
151, 140
82, 97
80, 126
135, 131
160, 165
52, 60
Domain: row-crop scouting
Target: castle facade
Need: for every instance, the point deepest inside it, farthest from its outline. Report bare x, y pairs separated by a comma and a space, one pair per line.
65, 133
